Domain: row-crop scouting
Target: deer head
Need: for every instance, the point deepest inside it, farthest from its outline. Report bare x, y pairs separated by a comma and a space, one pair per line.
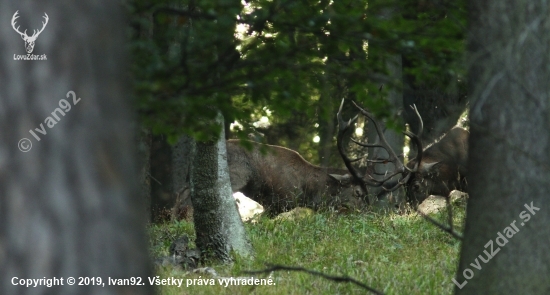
29, 40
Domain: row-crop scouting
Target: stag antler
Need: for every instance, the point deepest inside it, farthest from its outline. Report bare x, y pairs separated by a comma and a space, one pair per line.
343, 127
381, 142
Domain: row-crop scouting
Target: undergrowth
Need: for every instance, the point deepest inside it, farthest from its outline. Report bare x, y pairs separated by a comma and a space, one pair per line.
393, 253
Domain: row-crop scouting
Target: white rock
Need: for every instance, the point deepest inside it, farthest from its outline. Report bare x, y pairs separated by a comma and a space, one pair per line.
248, 208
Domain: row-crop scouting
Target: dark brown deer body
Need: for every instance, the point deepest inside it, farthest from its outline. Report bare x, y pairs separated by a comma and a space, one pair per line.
442, 168
280, 179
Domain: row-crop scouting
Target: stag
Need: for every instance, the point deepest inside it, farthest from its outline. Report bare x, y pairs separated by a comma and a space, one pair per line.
437, 169
280, 179
29, 40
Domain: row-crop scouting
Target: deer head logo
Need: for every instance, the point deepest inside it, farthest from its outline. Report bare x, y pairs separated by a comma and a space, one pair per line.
29, 40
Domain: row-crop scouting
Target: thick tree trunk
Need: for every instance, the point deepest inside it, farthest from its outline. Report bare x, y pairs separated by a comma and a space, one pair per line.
509, 207
70, 206
218, 224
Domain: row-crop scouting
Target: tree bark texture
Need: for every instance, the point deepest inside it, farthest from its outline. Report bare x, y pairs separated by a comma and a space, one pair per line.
181, 163
144, 160
162, 189
218, 225
70, 205
505, 249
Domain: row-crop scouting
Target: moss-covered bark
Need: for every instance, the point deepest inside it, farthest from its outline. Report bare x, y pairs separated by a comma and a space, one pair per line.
218, 224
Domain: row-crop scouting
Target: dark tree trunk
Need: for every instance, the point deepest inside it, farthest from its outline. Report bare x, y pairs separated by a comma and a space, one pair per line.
70, 206
181, 163
162, 189
396, 140
509, 150
144, 160
335, 88
326, 129
218, 225
169, 174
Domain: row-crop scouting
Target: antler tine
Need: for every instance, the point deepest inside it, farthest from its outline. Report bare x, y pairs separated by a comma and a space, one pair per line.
408, 172
415, 138
398, 184
368, 145
383, 142
419, 119
343, 127
341, 122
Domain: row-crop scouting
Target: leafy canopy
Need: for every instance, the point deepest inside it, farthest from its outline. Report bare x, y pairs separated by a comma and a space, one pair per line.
192, 58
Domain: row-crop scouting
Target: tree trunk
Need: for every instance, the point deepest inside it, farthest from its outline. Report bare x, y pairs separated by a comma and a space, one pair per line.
326, 114
70, 205
181, 163
396, 140
162, 188
144, 160
218, 224
509, 210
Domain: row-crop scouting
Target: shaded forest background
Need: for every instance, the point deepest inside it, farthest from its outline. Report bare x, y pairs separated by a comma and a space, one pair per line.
277, 71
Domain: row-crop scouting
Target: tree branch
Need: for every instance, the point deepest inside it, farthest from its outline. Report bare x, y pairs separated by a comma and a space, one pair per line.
186, 13
339, 279
448, 229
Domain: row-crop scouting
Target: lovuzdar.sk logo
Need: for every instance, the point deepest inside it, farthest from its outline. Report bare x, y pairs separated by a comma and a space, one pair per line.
29, 40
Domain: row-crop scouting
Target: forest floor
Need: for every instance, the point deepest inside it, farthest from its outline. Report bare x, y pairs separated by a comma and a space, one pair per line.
392, 253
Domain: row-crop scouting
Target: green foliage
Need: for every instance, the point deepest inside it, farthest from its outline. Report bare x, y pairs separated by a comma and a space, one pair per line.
188, 59
396, 254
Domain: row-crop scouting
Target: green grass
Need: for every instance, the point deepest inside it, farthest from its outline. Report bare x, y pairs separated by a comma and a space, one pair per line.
396, 254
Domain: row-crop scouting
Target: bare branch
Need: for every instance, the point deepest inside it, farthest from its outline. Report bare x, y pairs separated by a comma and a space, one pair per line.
339, 279
448, 229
